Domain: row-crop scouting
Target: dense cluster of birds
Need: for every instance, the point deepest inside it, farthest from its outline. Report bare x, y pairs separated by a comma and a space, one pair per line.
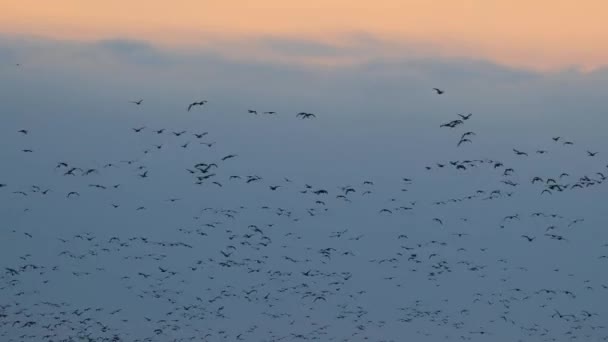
256, 273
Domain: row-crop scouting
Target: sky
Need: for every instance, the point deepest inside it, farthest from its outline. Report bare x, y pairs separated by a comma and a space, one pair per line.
452, 265
543, 35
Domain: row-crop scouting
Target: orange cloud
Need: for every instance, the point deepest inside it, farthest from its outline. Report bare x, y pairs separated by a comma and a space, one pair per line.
540, 34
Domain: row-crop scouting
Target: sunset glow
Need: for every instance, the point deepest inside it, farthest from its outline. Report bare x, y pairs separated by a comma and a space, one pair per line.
540, 34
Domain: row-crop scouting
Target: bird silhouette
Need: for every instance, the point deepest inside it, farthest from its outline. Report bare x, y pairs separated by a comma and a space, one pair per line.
72, 193
520, 153
529, 238
592, 154
230, 156
304, 115
199, 103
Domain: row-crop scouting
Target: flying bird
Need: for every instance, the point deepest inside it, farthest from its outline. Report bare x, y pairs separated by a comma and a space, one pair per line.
304, 115
520, 153
530, 239
463, 141
199, 103
452, 123
592, 154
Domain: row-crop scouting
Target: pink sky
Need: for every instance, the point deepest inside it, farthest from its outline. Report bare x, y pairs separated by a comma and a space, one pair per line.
538, 34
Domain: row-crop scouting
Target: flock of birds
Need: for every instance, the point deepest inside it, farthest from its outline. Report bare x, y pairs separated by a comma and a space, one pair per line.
256, 273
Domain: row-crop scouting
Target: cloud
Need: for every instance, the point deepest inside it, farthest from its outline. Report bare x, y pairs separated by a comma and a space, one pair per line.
252, 74
134, 51
355, 51
298, 47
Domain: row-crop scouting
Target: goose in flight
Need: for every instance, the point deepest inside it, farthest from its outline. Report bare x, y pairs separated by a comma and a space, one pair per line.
452, 123
592, 154
438, 91
529, 238
520, 153
465, 117
537, 179
463, 141
89, 171
558, 314
70, 172
23, 131
200, 103
304, 115
251, 111
138, 102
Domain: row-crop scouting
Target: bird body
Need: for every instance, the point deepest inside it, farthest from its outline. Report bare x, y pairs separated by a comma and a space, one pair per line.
199, 103
304, 115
